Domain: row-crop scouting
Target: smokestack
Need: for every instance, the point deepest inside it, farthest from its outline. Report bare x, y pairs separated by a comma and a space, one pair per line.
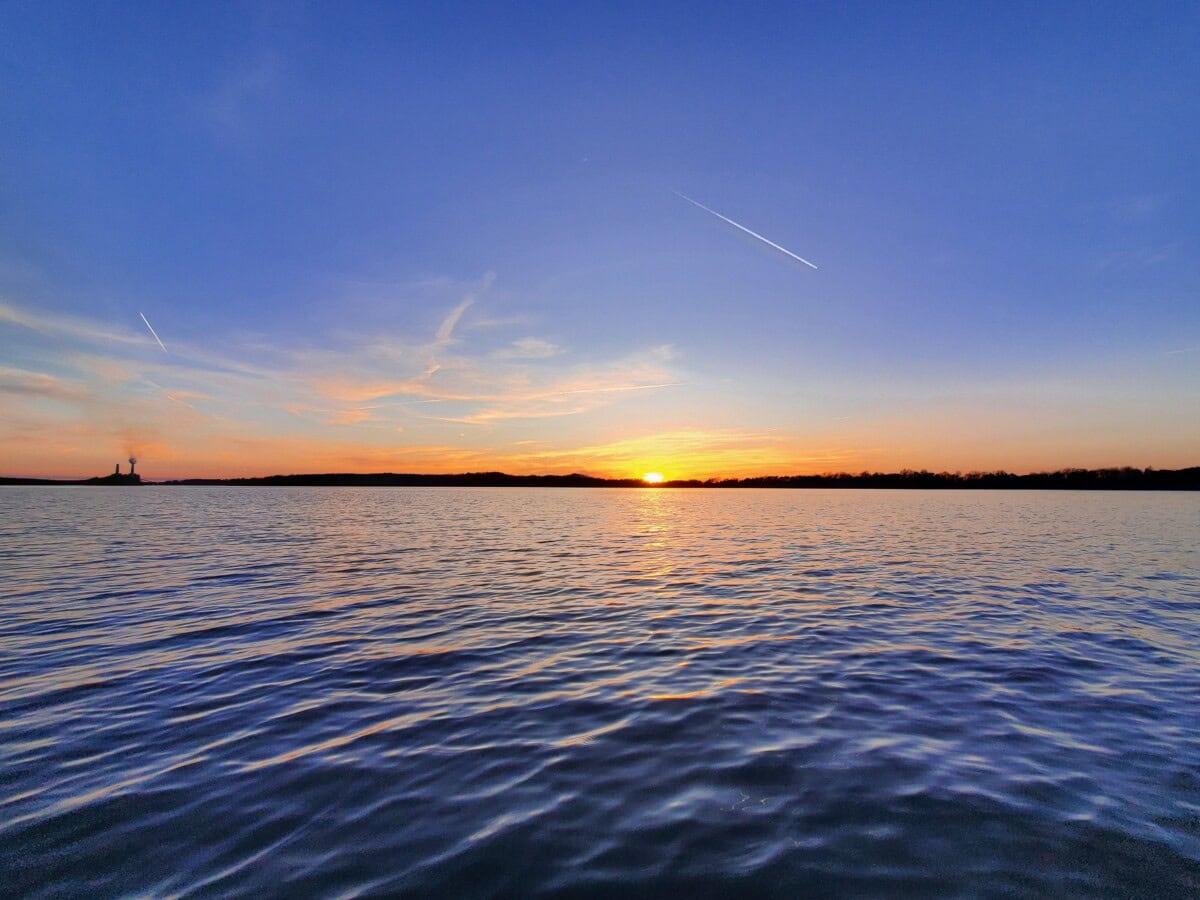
118, 469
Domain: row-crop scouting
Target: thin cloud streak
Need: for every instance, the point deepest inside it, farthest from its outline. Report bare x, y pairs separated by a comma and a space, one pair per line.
529, 348
616, 389
65, 326
501, 412
446, 329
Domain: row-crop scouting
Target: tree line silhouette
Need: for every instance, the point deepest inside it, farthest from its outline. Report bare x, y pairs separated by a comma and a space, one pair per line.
1126, 478
1116, 479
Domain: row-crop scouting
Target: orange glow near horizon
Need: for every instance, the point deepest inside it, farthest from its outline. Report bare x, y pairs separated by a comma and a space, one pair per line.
78, 451
94, 393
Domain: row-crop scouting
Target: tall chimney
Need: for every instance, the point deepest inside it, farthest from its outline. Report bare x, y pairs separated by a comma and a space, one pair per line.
118, 469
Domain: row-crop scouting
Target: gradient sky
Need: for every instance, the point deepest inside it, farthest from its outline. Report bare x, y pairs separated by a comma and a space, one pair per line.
440, 238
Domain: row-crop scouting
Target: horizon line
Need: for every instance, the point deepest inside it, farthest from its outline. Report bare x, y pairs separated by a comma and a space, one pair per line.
903, 473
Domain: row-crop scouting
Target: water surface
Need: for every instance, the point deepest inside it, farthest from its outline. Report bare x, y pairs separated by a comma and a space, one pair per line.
508, 692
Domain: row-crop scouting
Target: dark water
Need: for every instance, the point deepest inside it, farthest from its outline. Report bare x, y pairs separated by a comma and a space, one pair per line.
460, 692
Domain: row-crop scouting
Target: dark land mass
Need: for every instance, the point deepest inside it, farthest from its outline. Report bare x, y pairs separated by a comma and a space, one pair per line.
1122, 479
100, 480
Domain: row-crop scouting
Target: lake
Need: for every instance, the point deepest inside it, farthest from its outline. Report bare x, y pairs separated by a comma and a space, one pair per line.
455, 692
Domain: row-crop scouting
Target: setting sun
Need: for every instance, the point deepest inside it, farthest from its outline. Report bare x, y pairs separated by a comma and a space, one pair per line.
652, 478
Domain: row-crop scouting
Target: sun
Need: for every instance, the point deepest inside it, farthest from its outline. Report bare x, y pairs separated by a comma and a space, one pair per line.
652, 478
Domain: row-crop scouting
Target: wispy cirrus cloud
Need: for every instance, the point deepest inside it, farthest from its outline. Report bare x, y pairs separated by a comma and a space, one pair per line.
528, 348
42, 385
111, 379
489, 390
77, 328
446, 330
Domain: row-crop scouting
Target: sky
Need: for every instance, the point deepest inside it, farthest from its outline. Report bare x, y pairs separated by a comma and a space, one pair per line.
449, 237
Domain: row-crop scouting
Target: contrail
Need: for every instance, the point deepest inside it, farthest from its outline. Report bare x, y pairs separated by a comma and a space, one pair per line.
155, 333
745, 229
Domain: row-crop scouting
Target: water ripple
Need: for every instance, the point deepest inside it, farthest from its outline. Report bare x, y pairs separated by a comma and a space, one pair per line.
496, 692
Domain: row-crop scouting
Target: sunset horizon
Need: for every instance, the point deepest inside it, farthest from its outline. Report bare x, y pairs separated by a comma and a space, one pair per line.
155, 474
258, 263
1098, 478
658, 450
108, 391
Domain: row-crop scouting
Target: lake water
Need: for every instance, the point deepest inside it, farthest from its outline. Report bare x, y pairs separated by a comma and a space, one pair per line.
634, 693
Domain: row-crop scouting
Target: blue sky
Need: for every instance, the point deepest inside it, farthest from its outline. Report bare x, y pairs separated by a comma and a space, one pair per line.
1002, 200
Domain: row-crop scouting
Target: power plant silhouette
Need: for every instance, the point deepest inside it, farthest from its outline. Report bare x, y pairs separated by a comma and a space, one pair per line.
131, 477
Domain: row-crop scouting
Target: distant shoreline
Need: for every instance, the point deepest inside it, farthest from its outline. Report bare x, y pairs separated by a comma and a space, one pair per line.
1121, 479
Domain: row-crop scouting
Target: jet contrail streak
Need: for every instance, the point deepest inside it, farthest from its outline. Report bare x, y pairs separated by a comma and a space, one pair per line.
745, 229
152, 331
